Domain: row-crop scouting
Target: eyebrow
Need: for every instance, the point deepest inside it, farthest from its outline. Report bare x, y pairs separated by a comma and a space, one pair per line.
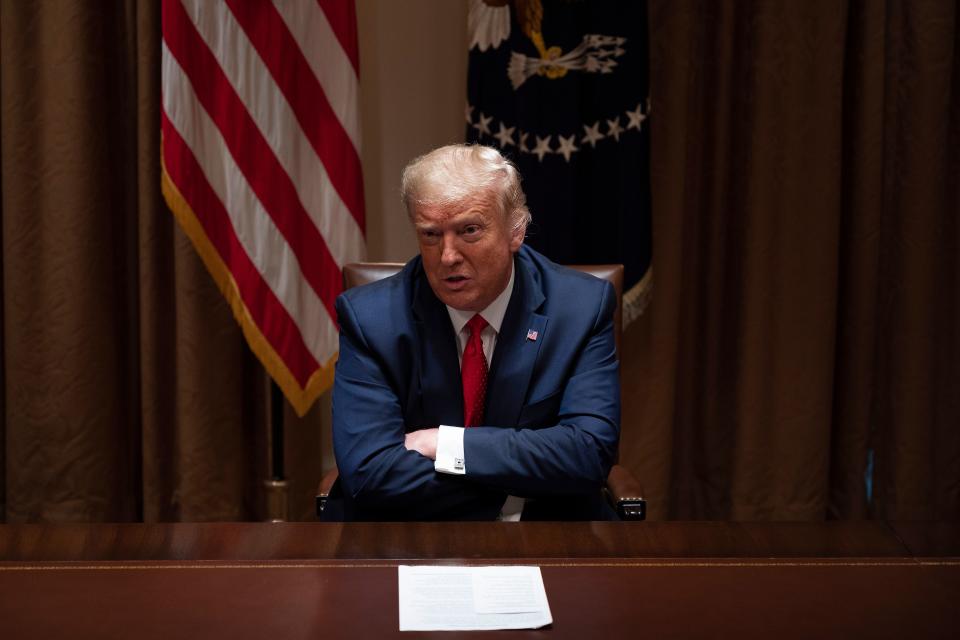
466, 219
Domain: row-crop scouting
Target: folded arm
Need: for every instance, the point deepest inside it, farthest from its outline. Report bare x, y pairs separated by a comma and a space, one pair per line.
572, 454
376, 469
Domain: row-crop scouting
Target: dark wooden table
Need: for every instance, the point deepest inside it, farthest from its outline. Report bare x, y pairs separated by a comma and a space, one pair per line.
603, 580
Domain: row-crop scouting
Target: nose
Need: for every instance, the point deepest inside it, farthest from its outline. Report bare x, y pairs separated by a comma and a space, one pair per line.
449, 254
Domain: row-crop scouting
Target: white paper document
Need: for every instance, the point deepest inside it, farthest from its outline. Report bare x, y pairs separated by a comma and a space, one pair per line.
434, 598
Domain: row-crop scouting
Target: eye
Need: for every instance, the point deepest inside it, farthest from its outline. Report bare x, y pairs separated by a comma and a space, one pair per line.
429, 236
471, 230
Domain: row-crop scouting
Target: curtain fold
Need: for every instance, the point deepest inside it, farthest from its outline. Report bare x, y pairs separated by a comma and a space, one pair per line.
129, 392
800, 357
917, 432
65, 232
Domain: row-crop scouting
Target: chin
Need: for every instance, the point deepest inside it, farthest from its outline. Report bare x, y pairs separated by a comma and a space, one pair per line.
464, 303
460, 305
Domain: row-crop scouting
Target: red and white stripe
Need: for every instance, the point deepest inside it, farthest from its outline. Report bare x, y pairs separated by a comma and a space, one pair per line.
261, 143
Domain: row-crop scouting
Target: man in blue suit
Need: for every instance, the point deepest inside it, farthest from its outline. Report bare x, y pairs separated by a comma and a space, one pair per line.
480, 382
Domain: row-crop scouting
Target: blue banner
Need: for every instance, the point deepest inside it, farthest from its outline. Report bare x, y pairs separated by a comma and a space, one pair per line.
561, 87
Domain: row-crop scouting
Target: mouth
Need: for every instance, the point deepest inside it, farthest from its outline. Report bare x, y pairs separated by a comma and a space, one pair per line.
455, 282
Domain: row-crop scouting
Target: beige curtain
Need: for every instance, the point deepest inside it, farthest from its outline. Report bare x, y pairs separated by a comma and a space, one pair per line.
129, 391
806, 158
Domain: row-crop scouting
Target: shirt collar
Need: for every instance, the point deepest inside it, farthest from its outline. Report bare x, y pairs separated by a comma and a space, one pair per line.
493, 314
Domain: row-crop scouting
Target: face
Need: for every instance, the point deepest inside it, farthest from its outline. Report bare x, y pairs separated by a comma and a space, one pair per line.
467, 251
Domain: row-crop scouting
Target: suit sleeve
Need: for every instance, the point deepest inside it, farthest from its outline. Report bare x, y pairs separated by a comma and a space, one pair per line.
573, 454
368, 432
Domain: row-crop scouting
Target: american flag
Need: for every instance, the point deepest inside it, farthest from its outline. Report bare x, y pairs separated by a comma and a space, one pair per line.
261, 167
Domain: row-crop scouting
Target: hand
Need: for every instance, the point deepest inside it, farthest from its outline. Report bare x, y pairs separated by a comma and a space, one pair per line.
423, 441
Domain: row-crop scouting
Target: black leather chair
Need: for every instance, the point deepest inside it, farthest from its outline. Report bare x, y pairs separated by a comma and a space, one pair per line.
622, 489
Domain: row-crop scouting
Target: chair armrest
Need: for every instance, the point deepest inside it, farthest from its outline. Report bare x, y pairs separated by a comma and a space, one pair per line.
625, 494
323, 491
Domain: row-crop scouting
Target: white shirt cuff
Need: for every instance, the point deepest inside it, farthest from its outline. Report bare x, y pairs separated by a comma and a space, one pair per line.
450, 451
512, 509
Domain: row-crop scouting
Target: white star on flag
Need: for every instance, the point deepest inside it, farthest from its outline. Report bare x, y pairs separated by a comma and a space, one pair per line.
505, 136
522, 142
566, 146
636, 118
615, 128
592, 134
542, 148
483, 124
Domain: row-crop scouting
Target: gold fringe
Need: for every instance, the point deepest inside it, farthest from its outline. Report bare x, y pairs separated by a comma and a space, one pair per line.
637, 299
300, 398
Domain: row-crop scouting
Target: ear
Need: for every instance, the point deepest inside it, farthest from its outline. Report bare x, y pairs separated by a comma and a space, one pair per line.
516, 238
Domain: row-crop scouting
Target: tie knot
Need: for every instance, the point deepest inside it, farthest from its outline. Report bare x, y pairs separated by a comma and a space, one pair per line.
476, 324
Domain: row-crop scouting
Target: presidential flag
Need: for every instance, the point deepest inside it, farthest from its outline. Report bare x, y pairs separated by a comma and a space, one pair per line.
561, 87
261, 167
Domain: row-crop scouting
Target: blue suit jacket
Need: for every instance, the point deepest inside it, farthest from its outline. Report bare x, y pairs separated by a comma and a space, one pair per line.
552, 404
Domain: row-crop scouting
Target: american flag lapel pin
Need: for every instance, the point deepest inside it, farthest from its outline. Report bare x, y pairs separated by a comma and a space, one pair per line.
531, 335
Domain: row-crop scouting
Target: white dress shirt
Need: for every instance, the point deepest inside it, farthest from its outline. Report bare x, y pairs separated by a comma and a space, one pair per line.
450, 458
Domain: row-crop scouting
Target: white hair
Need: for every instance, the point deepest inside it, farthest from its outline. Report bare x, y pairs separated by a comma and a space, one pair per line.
453, 174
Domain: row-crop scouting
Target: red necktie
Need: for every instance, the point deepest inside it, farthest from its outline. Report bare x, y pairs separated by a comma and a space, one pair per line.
473, 371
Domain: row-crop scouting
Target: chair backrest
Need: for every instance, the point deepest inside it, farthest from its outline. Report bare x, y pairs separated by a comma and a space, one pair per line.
359, 273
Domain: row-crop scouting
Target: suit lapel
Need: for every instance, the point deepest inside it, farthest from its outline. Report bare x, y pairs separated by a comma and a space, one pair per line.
516, 351
440, 366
